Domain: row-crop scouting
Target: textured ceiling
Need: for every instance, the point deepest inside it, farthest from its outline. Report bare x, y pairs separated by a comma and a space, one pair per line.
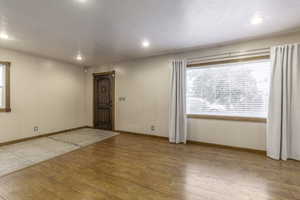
112, 30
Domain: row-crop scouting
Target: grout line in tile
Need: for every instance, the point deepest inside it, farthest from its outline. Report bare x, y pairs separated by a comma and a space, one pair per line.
66, 142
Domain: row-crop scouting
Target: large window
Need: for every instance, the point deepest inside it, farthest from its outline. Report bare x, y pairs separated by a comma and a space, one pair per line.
239, 89
4, 87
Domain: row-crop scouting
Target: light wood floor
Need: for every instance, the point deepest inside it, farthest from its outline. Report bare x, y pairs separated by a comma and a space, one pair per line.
139, 167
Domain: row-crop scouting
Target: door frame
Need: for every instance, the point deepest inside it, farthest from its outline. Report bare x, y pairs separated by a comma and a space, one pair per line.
113, 73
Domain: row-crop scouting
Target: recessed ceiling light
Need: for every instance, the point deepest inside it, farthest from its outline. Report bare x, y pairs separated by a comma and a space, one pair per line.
4, 36
256, 20
82, 1
145, 43
79, 57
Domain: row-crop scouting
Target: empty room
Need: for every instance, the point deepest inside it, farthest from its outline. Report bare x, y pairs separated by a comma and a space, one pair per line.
149, 100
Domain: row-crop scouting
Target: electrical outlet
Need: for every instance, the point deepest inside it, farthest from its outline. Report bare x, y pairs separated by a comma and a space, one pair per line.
152, 128
36, 129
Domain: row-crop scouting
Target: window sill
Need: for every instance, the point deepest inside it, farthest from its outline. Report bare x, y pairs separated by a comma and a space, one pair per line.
7, 110
230, 118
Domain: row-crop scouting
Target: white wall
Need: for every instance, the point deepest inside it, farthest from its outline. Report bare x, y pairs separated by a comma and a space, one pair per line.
251, 135
44, 93
145, 84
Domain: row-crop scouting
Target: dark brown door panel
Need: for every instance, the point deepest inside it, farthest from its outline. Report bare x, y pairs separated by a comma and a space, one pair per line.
104, 101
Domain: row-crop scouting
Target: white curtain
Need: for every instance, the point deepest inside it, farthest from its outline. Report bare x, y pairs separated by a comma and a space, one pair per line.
177, 123
283, 131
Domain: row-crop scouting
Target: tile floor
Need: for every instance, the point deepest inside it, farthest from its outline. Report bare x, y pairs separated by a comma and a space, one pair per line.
18, 156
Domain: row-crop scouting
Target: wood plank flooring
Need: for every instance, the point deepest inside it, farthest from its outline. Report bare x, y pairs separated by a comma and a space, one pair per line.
132, 167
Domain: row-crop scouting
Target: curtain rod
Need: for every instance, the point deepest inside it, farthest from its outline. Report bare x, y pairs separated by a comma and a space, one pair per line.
264, 51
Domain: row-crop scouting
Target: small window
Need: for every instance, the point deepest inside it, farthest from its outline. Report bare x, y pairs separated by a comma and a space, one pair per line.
239, 89
5, 87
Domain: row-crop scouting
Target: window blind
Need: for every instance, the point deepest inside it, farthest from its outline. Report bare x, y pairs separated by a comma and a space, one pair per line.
2, 81
233, 89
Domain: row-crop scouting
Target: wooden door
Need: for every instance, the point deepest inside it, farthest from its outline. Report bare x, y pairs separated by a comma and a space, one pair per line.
104, 100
